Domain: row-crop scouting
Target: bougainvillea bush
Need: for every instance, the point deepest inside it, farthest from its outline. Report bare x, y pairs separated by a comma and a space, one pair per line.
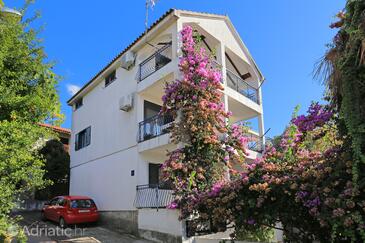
309, 183
204, 156
305, 182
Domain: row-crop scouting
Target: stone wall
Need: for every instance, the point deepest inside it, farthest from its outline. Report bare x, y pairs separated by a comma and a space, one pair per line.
120, 221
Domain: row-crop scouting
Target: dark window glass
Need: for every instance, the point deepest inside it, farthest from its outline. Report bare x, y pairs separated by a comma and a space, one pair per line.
110, 78
153, 174
83, 138
54, 202
61, 202
150, 109
82, 203
78, 103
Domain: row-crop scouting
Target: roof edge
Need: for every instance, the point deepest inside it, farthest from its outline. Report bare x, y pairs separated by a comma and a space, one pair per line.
176, 12
56, 128
157, 22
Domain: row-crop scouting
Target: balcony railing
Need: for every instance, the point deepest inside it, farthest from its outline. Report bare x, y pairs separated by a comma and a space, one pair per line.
255, 142
237, 83
153, 196
154, 127
155, 62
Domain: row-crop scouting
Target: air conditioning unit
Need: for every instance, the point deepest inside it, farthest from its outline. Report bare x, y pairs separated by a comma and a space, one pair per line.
128, 60
126, 103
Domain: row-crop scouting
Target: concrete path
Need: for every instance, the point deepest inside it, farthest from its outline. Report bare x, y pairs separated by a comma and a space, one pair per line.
48, 232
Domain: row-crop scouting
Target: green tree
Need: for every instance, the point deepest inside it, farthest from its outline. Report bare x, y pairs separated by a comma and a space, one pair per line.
344, 76
57, 169
28, 96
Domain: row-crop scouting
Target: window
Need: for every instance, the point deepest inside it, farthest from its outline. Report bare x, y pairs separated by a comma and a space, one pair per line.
82, 203
83, 138
61, 201
54, 201
110, 78
78, 103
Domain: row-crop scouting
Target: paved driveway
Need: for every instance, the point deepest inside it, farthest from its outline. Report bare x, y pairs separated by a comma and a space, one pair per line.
47, 232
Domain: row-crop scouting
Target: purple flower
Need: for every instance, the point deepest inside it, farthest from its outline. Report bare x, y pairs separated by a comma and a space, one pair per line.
172, 205
217, 187
251, 222
312, 203
302, 194
317, 116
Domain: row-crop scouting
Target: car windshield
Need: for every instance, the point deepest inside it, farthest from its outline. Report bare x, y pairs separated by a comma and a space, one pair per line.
82, 203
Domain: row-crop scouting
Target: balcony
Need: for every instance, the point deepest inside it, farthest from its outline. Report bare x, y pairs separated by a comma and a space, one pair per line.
238, 84
155, 62
154, 127
153, 196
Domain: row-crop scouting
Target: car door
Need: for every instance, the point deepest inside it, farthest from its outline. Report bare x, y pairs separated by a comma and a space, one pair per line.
51, 209
60, 208
46, 209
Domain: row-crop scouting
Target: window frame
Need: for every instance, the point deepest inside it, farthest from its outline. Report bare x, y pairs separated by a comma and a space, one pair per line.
85, 141
110, 78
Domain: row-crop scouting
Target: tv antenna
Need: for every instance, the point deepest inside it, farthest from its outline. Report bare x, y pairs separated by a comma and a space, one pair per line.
150, 4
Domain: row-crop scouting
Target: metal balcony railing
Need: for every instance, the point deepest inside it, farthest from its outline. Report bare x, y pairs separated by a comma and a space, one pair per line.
255, 142
155, 62
154, 127
153, 196
237, 83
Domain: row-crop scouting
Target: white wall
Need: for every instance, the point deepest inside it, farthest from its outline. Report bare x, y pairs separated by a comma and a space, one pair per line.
108, 181
163, 220
102, 170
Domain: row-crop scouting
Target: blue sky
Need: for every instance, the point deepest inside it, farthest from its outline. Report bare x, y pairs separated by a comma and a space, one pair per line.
285, 37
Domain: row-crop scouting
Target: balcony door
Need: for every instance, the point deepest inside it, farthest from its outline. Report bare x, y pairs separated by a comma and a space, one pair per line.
153, 124
150, 110
153, 174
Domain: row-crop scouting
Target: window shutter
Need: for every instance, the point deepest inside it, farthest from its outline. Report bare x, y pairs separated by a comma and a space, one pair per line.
77, 141
88, 136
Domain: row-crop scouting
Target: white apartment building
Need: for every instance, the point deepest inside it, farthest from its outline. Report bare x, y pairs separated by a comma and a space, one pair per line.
118, 139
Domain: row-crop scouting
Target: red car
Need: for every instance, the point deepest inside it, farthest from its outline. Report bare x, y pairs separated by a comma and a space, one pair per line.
70, 210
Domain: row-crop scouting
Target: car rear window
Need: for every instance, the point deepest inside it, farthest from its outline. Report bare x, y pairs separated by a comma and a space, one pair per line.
82, 203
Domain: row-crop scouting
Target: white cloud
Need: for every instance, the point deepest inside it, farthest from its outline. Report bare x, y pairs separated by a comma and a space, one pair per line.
72, 89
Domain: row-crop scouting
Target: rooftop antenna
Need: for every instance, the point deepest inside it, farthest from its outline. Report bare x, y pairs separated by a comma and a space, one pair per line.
149, 4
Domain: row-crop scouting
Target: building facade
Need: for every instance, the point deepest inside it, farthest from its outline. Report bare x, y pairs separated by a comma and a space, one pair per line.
119, 139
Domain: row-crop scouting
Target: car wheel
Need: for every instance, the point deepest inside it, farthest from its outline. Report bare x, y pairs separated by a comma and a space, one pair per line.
62, 223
